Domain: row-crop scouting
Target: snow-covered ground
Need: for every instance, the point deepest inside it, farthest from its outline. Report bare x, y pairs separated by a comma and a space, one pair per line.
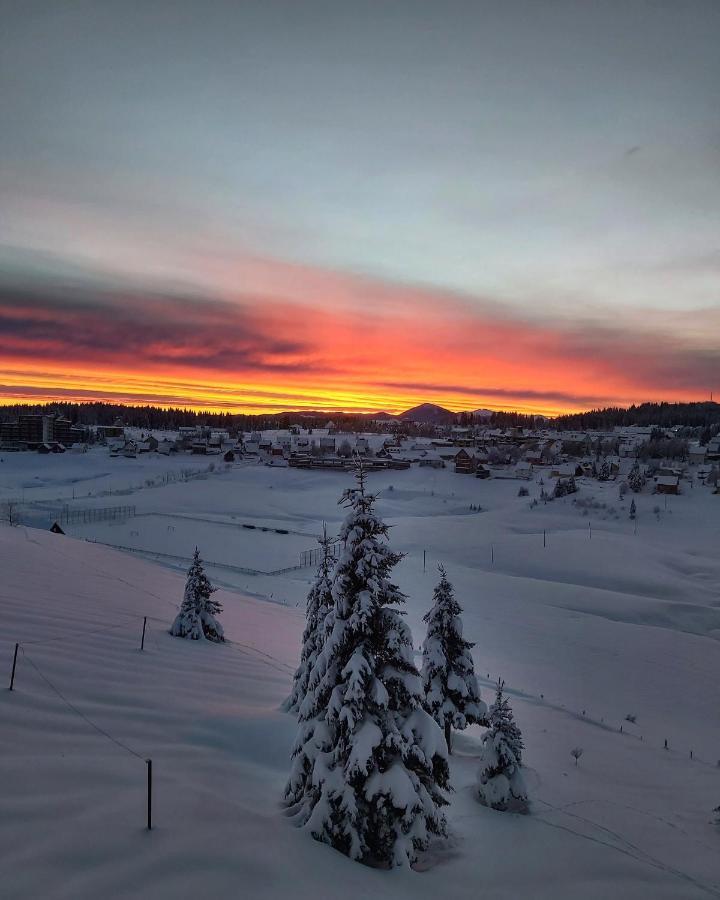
594, 621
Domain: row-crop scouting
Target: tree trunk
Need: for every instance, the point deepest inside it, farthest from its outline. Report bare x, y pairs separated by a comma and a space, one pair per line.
448, 736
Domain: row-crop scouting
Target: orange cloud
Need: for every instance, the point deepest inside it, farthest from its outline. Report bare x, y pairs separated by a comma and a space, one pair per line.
324, 341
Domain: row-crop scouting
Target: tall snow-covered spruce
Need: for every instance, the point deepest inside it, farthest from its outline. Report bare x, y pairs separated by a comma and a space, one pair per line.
500, 781
369, 763
452, 696
197, 618
319, 604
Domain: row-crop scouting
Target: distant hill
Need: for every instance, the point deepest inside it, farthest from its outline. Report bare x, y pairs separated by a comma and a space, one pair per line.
429, 414
482, 413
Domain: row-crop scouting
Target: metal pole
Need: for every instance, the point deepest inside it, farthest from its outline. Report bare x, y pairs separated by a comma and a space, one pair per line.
424, 554
544, 541
142, 642
492, 554
148, 762
12, 677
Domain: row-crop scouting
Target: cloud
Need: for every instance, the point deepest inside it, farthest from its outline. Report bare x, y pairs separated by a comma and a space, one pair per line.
334, 341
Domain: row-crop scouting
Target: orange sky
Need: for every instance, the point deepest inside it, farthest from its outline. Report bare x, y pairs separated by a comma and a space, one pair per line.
356, 345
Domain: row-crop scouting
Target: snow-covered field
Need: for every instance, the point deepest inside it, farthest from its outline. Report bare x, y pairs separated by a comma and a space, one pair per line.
594, 621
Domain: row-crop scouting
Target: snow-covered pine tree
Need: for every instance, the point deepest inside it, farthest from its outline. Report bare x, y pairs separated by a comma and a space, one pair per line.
604, 473
636, 480
500, 781
198, 611
452, 696
369, 763
319, 603
633, 509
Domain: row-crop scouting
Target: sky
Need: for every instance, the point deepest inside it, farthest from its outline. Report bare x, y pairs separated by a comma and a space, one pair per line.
260, 206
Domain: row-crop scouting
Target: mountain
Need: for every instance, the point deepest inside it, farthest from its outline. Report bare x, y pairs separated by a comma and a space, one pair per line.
482, 413
429, 414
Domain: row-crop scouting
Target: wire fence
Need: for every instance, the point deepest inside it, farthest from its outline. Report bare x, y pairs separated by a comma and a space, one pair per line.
98, 514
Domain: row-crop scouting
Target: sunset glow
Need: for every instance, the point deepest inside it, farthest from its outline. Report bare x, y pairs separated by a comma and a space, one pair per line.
354, 218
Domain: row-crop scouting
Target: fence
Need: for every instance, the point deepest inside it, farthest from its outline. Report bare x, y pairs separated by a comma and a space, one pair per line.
313, 557
98, 514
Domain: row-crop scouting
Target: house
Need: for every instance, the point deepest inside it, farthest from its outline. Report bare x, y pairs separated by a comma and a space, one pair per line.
148, 445
482, 471
199, 448
327, 444
432, 460
712, 451
696, 454
464, 463
523, 470
166, 447
667, 484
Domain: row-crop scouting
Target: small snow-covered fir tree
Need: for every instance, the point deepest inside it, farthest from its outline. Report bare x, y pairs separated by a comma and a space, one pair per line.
636, 480
500, 781
452, 696
633, 509
319, 603
604, 473
369, 763
197, 618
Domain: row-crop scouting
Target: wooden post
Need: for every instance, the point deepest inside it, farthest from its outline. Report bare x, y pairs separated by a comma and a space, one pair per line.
424, 556
590, 530
12, 677
142, 642
544, 541
148, 762
492, 554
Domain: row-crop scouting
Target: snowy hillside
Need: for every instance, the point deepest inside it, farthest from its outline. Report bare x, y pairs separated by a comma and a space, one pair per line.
584, 630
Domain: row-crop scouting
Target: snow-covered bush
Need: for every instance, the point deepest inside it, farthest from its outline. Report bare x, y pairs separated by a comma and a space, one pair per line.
369, 763
319, 603
452, 696
523, 492
198, 611
576, 753
500, 781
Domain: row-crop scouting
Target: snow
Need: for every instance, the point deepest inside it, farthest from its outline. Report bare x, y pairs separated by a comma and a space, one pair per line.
584, 631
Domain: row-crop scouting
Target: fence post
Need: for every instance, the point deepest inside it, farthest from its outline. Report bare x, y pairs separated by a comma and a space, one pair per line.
544, 540
148, 762
424, 555
492, 555
142, 642
12, 677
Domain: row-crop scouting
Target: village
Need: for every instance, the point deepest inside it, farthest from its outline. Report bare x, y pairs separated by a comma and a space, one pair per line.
668, 460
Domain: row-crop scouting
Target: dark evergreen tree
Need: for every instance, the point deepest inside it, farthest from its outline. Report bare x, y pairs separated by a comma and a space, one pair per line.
452, 696
369, 763
633, 509
198, 611
319, 604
